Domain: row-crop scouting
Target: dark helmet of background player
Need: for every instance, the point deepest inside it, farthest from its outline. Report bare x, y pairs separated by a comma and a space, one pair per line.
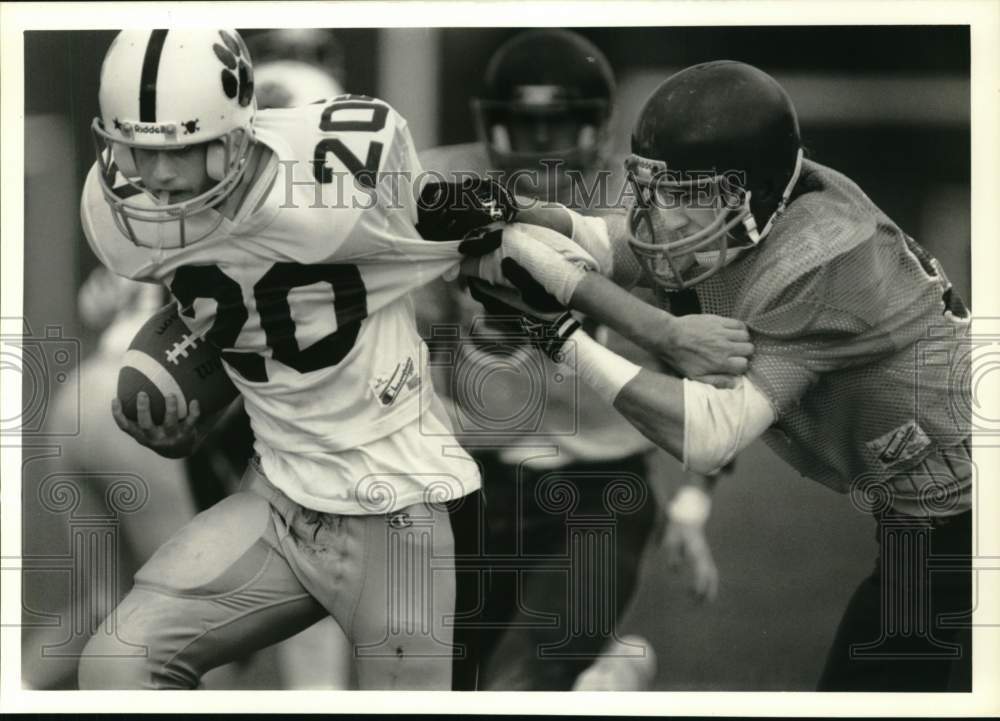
720, 139
547, 95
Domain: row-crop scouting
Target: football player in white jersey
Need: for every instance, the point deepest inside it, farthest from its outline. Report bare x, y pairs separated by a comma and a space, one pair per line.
175, 490
318, 657
860, 375
276, 240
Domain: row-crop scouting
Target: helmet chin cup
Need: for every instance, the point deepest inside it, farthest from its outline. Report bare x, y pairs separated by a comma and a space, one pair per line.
750, 223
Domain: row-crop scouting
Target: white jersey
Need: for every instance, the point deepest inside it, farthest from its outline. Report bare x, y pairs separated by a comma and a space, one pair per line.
305, 293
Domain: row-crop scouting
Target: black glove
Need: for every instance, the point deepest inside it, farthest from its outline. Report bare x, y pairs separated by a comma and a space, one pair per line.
548, 329
449, 211
535, 298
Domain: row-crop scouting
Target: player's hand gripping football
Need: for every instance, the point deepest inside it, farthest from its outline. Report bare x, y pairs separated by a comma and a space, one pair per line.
173, 438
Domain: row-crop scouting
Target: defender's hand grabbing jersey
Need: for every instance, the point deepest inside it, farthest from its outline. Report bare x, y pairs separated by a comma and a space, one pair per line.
305, 291
572, 418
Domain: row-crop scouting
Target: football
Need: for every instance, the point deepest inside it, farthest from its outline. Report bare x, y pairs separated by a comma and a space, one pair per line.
166, 357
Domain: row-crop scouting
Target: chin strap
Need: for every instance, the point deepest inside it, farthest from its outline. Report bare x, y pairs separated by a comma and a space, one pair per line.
751, 225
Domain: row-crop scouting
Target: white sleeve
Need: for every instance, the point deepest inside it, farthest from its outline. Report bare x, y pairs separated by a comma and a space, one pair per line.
719, 423
591, 234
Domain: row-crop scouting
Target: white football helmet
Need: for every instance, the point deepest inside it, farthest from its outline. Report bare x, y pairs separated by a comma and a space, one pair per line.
172, 89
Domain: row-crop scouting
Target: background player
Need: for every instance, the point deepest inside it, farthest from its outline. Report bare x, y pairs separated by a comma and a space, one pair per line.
841, 305
545, 121
296, 66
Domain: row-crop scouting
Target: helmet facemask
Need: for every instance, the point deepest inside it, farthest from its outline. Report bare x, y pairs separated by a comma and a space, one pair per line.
686, 227
134, 206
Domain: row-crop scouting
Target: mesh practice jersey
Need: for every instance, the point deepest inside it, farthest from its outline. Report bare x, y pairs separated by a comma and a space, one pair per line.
859, 338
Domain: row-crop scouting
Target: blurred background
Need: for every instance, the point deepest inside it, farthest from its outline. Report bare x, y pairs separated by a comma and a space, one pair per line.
888, 106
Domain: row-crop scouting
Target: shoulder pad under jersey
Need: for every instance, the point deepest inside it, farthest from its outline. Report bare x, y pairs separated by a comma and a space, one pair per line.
821, 231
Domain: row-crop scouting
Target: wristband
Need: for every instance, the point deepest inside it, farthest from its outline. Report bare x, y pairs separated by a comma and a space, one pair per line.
691, 506
604, 371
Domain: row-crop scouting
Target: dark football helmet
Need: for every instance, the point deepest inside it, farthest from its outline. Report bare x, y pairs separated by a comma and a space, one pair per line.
548, 95
716, 153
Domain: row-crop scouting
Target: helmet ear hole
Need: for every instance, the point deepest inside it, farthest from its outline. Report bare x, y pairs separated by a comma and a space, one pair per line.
125, 160
215, 160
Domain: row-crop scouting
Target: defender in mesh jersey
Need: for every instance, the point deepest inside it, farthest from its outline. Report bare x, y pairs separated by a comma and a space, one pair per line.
839, 303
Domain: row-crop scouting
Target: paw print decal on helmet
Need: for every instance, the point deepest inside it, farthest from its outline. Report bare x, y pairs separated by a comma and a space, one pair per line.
237, 76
